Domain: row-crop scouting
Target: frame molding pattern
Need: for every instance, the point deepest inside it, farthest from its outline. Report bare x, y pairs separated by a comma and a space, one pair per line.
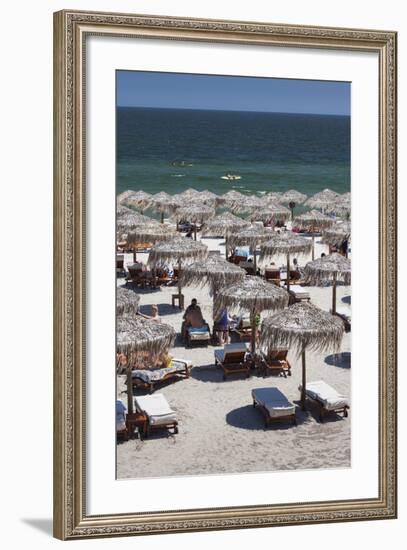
70, 519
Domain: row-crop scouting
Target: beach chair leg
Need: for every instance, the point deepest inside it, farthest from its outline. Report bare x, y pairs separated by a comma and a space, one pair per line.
345, 412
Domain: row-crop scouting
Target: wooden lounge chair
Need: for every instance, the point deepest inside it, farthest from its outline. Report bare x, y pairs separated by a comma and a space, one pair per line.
276, 361
327, 398
232, 359
244, 330
298, 294
274, 405
157, 414
120, 263
273, 275
148, 379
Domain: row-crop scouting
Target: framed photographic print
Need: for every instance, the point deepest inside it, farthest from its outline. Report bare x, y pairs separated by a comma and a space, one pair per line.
225, 274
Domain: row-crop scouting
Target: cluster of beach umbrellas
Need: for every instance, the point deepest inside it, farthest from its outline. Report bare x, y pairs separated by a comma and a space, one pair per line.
302, 326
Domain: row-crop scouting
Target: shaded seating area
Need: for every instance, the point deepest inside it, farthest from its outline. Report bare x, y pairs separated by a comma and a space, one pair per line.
327, 398
154, 413
274, 405
275, 361
233, 359
243, 329
273, 275
148, 379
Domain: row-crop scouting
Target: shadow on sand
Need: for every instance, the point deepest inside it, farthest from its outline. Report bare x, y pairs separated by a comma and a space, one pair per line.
341, 360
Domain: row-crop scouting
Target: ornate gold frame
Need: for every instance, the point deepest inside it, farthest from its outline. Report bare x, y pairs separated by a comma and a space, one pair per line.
70, 31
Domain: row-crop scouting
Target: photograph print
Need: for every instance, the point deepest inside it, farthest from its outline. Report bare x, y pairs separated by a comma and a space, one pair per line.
233, 274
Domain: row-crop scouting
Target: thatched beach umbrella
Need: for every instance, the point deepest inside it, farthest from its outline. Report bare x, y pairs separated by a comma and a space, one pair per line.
274, 197
305, 327
179, 250
251, 236
213, 271
129, 221
330, 268
195, 213
337, 235
163, 203
285, 243
206, 197
122, 210
292, 198
229, 198
224, 225
127, 301
152, 233
121, 198
341, 206
254, 295
248, 204
312, 220
322, 199
135, 335
271, 213
137, 199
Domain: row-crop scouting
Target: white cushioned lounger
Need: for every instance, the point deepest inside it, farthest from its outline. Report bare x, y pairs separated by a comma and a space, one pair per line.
274, 401
156, 408
299, 292
230, 348
326, 395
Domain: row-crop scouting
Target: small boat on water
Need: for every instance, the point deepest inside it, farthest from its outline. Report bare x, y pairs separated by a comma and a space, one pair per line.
231, 177
181, 163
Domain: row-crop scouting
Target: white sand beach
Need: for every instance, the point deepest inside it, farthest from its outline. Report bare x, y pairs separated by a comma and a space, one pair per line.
219, 430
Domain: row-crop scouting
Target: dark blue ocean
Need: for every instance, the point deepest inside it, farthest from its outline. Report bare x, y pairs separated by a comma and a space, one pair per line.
173, 149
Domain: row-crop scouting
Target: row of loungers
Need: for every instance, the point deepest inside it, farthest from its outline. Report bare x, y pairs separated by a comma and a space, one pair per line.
153, 412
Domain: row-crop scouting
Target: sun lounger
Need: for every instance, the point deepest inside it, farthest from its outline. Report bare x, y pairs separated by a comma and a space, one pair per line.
276, 361
198, 335
299, 294
244, 329
328, 399
150, 378
232, 359
120, 263
345, 314
158, 414
273, 275
274, 405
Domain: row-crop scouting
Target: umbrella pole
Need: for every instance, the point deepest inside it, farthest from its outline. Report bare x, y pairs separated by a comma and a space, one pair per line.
179, 282
288, 271
304, 381
134, 255
195, 231
129, 391
334, 295
255, 259
162, 217
226, 247
253, 339
313, 247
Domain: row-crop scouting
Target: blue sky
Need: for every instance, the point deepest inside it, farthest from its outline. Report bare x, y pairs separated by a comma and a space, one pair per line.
186, 91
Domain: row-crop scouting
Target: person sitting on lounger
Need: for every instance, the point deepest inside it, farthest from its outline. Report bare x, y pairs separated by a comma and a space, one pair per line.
193, 318
154, 314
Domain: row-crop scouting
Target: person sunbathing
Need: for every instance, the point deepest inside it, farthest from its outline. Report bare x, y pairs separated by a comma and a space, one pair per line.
193, 318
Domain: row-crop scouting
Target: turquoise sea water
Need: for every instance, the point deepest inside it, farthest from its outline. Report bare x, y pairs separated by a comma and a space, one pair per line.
173, 149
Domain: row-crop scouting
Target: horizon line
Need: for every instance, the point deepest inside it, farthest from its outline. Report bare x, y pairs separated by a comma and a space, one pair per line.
229, 110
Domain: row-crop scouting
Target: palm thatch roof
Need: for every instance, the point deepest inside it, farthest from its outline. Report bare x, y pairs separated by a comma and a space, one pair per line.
127, 301
274, 197
213, 271
292, 196
206, 197
223, 225
247, 203
137, 334
285, 242
337, 234
122, 210
322, 199
252, 294
150, 233
270, 213
195, 213
138, 199
341, 205
328, 268
179, 249
250, 236
313, 219
302, 326
130, 221
123, 196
